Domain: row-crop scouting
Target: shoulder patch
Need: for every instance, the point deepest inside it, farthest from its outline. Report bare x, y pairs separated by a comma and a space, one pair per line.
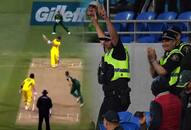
175, 57
186, 49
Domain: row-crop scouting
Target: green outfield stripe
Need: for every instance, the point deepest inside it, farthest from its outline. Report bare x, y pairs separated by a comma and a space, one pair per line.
21, 42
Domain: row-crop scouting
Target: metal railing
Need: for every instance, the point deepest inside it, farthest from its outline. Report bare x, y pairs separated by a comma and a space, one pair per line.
135, 22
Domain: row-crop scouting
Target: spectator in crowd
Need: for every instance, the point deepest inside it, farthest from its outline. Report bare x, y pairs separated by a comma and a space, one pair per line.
166, 108
59, 21
169, 64
142, 119
111, 121
44, 105
185, 82
115, 67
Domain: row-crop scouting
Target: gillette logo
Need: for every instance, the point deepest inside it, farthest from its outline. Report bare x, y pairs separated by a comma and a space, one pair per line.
44, 12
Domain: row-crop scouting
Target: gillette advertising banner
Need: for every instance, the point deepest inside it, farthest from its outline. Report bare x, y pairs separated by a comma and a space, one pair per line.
43, 12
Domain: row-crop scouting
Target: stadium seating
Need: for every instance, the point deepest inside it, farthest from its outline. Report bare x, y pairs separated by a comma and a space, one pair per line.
184, 26
150, 26
127, 121
125, 116
161, 26
145, 38
128, 15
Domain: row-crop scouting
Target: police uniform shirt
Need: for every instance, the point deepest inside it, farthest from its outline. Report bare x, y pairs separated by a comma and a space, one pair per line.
186, 49
186, 62
119, 51
172, 63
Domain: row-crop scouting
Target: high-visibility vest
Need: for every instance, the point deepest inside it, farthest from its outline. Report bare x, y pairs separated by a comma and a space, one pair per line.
121, 67
175, 73
182, 45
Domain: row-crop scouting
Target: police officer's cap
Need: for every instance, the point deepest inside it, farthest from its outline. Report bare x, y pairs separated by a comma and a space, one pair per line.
175, 29
44, 92
111, 116
59, 37
168, 35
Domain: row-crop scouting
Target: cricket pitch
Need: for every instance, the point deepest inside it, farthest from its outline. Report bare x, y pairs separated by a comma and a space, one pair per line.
65, 108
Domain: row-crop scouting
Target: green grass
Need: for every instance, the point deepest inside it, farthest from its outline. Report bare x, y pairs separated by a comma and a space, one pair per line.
21, 42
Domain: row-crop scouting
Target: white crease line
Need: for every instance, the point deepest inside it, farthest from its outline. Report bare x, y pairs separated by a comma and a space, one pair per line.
75, 65
77, 117
30, 115
19, 115
68, 116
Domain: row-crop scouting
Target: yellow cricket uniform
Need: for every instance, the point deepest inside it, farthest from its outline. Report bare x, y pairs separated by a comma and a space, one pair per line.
54, 53
27, 89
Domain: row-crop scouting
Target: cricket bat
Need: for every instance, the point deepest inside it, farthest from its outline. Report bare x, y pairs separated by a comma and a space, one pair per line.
33, 105
44, 37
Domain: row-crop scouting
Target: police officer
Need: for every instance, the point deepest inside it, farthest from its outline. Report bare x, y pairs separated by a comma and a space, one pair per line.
44, 105
184, 47
185, 82
169, 64
59, 21
114, 74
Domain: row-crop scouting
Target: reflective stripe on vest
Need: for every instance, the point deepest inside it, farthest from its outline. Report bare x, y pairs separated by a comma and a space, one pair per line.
181, 46
121, 67
175, 73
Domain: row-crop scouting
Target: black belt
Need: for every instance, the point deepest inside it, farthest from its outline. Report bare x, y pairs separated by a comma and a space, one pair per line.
117, 92
111, 93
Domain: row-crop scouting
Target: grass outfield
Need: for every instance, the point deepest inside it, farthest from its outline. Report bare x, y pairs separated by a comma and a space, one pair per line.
20, 42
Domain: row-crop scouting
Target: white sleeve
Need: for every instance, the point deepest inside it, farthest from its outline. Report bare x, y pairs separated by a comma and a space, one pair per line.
49, 42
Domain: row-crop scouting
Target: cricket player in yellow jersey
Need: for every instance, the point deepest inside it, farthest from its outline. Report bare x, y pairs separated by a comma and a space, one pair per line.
54, 52
27, 90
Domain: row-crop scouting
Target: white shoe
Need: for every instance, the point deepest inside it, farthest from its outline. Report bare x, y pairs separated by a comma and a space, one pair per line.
26, 108
53, 33
78, 99
81, 105
69, 33
54, 66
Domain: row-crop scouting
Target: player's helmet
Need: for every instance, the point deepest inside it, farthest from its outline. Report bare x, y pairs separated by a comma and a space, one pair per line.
32, 75
59, 37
